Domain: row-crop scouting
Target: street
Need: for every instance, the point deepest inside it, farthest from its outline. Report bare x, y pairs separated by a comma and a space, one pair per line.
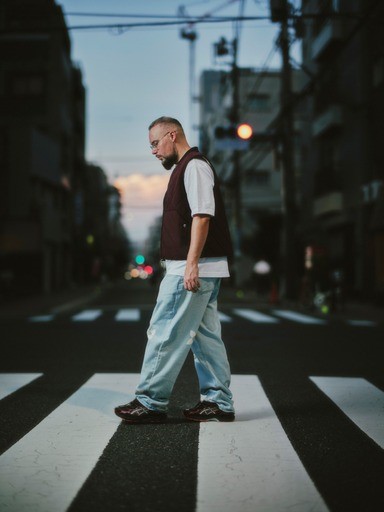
309, 399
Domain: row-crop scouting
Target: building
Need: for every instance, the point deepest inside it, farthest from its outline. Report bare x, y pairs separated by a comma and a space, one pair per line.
44, 177
342, 217
251, 172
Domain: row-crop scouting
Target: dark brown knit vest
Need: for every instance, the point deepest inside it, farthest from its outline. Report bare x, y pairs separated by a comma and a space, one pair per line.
177, 220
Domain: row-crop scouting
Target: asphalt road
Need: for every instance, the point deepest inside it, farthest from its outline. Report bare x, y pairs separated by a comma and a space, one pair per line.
309, 397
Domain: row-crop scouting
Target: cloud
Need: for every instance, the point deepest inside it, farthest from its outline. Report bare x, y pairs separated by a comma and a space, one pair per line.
142, 200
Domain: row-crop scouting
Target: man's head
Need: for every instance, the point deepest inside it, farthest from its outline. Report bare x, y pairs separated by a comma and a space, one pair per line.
167, 140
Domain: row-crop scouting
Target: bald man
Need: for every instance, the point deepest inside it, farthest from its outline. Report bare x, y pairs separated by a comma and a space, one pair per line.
196, 247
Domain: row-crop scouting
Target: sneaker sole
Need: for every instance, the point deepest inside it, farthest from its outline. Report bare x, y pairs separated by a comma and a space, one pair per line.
141, 420
144, 422
205, 420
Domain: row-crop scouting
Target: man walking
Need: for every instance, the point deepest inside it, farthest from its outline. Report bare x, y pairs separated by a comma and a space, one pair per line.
196, 246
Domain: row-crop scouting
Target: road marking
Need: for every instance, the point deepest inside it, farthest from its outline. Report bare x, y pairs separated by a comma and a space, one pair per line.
224, 318
360, 400
298, 317
11, 382
45, 469
361, 323
250, 464
255, 316
128, 315
88, 315
41, 318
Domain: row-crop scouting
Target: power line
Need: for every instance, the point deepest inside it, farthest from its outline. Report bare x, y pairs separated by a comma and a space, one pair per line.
121, 27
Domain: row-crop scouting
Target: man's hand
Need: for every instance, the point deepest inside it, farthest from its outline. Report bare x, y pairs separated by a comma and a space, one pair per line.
199, 233
191, 277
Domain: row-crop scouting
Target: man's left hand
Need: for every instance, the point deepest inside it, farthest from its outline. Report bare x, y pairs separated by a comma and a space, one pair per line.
191, 278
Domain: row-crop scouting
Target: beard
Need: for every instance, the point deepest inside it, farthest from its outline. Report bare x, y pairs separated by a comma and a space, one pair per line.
170, 161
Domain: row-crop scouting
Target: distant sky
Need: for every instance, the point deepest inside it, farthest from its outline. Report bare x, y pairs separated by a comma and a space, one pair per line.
137, 75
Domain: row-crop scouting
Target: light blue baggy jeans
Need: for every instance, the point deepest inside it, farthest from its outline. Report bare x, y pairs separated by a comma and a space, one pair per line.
181, 321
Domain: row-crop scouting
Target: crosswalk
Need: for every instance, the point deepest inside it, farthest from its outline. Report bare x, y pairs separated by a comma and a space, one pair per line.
274, 316
244, 466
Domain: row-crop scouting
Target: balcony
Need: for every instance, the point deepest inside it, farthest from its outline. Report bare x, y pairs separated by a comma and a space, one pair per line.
329, 119
329, 203
327, 39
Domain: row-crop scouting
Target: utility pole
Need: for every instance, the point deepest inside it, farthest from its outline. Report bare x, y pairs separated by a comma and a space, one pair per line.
191, 36
279, 12
235, 155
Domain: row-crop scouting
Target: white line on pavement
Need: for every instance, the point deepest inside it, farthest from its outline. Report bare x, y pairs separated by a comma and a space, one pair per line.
361, 323
360, 400
255, 316
128, 315
249, 465
41, 318
298, 317
224, 318
11, 382
45, 469
87, 315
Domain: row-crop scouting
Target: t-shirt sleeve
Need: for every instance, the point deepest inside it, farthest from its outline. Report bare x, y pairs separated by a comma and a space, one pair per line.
199, 182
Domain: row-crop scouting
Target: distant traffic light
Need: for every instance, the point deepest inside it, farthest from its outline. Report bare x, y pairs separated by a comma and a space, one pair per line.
139, 259
244, 131
233, 137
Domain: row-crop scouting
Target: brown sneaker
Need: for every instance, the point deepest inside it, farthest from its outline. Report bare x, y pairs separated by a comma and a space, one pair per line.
135, 412
208, 411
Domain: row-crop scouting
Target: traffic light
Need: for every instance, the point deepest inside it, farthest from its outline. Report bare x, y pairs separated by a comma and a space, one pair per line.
244, 131
234, 137
140, 259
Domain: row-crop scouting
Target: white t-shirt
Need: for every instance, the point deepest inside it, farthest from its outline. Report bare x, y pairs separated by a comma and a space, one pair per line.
199, 182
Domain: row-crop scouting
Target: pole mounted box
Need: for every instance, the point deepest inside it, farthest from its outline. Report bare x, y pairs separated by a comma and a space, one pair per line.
279, 10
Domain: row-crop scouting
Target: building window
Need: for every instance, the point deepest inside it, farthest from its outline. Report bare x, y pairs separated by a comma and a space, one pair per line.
27, 85
259, 102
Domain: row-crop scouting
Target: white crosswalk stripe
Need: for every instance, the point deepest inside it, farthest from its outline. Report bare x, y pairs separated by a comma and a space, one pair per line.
362, 402
361, 323
255, 316
236, 460
224, 318
87, 316
134, 315
128, 315
11, 382
41, 318
45, 469
298, 317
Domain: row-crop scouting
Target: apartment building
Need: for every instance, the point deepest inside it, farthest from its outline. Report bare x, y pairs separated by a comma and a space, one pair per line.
45, 181
342, 217
252, 175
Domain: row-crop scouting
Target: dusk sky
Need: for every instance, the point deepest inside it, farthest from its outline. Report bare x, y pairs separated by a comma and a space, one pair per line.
135, 75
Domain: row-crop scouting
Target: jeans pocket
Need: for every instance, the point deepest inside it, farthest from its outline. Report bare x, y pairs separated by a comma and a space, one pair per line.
169, 295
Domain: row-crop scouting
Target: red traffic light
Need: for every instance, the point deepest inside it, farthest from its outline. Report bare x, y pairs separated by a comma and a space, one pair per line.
244, 131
